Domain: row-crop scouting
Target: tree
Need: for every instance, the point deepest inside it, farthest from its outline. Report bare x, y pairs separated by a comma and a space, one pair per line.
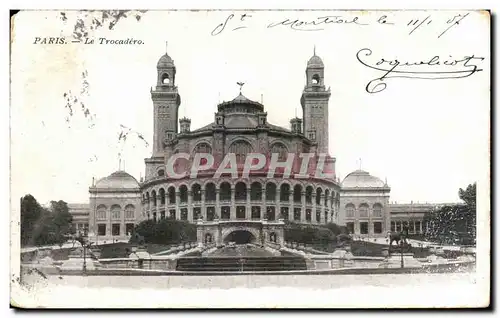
454, 223
61, 221
168, 231
31, 211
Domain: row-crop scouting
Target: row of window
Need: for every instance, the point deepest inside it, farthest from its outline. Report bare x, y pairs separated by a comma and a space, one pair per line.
115, 211
241, 213
115, 229
363, 210
241, 191
412, 226
363, 227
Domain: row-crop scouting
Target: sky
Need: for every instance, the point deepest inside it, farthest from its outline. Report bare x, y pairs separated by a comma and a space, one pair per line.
427, 137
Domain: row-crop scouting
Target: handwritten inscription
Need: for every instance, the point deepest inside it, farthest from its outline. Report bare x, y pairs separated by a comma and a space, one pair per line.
235, 22
431, 68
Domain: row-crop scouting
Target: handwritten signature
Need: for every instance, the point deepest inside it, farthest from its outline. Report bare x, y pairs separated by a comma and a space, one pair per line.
430, 69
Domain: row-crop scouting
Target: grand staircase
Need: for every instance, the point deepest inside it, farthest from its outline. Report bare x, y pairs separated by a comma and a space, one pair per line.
241, 264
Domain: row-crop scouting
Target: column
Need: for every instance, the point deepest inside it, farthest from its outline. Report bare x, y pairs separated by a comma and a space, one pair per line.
233, 204
292, 204
303, 209
248, 209
328, 208
313, 212
190, 205
177, 202
263, 204
123, 231
278, 202
108, 225
203, 208
322, 216
217, 204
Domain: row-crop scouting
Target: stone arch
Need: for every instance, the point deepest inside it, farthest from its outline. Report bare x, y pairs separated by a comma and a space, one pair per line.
101, 212
241, 148
327, 197
196, 191
210, 191
161, 193
240, 191
165, 78
256, 191
309, 193
183, 193
285, 191
225, 191
129, 211
271, 191
116, 211
319, 192
228, 230
378, 209
153, 197
297, 193
280, 148
363, 209
171, 194
350, 210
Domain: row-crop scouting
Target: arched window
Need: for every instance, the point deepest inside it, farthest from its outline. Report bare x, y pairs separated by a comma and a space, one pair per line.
162, 196
196, 190
377, 210
297, 193
256, 191
240, 192
349, 210
183, 193
153, 197
171, 195
363, 210
115, 212
285, 192
165, 79
327, 197
225, 191
281, 150
309, 191
240, 148
270, 192
319, 191
210, 194
203, 148
130, 212
101, 212
148, 202
315, 79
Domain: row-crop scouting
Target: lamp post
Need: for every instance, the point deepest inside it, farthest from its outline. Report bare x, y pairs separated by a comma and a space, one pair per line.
401, 243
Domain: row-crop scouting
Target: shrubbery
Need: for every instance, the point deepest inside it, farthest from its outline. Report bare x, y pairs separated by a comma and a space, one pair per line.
320, 236
168, 231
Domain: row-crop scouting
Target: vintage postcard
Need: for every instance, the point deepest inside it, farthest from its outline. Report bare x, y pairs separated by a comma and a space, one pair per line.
250, 159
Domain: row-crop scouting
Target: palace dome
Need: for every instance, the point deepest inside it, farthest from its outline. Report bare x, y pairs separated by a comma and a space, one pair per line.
362, 179
315, 61
165, 61
118, 180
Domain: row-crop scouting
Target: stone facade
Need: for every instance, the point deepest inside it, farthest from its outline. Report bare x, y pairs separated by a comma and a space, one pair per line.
255, 202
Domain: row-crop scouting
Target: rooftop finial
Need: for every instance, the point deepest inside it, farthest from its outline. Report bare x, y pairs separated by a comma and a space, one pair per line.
295, 112
241, 85
359, 163
314, 49
166, 46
